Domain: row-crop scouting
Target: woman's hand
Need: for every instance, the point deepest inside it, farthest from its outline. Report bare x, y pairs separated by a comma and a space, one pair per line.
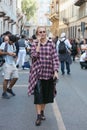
39, 38
38, 46
55, 75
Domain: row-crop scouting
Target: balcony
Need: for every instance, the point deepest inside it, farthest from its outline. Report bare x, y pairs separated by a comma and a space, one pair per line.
6, 17
2, 14
79, 2
54, 16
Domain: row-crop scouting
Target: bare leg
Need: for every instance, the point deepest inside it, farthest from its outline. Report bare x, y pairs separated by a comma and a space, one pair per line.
38, 120
38, 109
42, 111
42, 107
5, 83
12, 82
9, 90
4, 94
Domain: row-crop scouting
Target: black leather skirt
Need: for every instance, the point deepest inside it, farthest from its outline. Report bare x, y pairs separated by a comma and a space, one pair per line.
44, 92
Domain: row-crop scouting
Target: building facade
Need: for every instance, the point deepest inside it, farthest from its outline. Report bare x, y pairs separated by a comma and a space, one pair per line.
7, 16
72, 17
54, 17
81, 23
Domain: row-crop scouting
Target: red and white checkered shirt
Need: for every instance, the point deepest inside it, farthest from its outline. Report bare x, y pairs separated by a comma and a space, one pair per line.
46, 63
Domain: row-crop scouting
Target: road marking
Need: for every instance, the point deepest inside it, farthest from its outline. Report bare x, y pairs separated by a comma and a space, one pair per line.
58, 116
19, 85
24, 72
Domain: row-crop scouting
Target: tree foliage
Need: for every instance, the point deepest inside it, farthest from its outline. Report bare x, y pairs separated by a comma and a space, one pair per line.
29, 8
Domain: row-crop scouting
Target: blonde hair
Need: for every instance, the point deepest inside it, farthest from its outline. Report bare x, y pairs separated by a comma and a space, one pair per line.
38, 29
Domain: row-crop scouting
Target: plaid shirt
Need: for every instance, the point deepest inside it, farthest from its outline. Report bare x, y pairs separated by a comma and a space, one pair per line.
46, 63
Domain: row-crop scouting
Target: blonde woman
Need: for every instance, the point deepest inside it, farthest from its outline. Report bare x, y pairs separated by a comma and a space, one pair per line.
44, 70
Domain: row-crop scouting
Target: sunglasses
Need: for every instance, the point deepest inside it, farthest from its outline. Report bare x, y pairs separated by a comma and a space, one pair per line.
42, 32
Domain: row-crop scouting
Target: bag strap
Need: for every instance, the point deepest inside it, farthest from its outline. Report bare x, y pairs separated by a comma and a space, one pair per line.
6, 47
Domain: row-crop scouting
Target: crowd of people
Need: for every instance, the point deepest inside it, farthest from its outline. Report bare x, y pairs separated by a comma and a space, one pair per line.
45, 56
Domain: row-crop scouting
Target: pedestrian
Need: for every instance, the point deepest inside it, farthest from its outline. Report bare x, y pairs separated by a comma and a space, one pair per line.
22, 43
10, 70
43, 71
65, 55
74, 49
84, 46
5, 41
83, 60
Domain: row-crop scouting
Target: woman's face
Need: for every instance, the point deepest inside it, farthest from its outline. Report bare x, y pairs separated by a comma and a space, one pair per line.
41, 32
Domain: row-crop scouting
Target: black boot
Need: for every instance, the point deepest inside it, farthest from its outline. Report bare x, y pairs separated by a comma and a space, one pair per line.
42, 116
38, 120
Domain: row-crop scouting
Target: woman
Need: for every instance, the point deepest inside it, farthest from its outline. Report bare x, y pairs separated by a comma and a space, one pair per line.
44, 69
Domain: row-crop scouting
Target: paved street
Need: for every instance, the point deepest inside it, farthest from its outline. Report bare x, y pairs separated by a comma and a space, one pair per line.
67, 113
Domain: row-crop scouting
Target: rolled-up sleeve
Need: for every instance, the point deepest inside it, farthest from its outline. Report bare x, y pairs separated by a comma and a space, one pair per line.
34, 54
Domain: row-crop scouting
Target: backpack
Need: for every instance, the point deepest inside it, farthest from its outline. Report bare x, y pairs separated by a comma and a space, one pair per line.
62, 47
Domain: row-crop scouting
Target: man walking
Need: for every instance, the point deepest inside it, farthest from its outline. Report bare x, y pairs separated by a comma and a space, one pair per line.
64, 51
10, 70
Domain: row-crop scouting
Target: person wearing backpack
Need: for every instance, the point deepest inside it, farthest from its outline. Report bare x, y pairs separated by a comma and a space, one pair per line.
64, 51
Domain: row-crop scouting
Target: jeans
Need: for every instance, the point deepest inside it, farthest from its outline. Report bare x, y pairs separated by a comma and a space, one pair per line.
63, 67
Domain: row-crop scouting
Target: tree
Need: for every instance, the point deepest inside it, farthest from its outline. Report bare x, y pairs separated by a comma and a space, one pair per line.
29, 8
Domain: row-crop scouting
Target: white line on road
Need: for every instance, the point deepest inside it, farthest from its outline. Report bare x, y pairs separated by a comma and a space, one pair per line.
58, 116
19, 85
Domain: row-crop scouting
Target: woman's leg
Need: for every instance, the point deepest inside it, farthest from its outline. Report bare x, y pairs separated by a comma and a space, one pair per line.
38, 120
42, 111
38, 109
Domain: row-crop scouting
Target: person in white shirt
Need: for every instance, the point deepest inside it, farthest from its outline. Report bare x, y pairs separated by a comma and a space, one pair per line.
10, 70
83, 60
84, 45
22, 51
